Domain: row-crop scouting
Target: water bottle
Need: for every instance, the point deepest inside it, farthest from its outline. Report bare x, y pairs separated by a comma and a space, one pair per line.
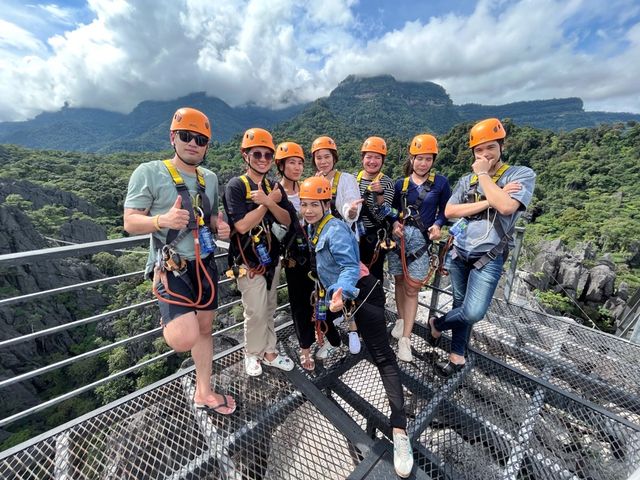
263, 254
459, 227
386, 211
321, 308
207, 244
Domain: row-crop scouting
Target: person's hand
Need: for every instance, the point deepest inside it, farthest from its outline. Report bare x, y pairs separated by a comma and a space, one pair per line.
176, 218
336, 303
376, 187
259, 197
398, 230
276, 195
222, 227
434, 232
353, 208
512, 187
481, 165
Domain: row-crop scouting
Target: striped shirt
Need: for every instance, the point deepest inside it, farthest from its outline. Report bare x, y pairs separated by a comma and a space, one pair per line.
370, 199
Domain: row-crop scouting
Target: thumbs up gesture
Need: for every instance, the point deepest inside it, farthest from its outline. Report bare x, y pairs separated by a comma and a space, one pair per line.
222, 227
336, 303
259, 197
176, 218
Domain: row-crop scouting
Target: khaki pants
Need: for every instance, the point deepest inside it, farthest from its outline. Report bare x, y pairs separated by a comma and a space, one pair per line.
259, 307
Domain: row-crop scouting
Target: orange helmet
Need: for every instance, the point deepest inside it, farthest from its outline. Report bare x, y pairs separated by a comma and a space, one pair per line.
257, 137
286, 150
191, 119
375, 144
315, 188
485, 131
323, 142
423, 143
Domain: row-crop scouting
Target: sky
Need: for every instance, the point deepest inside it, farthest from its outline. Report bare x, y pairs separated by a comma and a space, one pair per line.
114, 54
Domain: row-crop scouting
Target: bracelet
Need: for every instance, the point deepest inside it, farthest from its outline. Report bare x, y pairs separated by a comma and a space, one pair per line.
482, 173
156, 222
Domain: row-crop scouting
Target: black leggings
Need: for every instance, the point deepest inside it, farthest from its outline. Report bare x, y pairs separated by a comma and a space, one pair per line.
373, 329
300, 287
367, 248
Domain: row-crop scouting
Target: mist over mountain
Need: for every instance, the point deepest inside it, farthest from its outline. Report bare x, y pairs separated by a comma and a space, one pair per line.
365, 106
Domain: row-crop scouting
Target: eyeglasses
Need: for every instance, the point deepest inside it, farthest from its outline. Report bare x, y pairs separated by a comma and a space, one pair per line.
257, 155
186, 137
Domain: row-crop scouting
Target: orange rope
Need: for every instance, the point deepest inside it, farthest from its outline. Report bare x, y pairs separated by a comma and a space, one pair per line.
187, 302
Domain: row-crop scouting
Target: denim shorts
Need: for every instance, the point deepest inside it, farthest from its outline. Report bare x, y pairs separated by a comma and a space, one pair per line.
414, 241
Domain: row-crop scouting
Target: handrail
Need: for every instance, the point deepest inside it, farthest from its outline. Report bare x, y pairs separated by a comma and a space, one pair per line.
66, 288
31, 256
74, 393
83, 321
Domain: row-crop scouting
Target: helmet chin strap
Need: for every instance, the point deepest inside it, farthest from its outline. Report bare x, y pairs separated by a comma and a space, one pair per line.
248, 161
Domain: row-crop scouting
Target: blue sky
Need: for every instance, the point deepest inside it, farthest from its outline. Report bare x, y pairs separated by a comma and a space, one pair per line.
114, 54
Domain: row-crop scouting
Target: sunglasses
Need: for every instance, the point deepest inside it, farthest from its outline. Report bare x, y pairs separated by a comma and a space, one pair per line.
258, 155
186, 137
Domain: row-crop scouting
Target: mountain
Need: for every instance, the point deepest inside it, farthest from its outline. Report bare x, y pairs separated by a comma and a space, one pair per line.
144, 129
358, 107
559, 114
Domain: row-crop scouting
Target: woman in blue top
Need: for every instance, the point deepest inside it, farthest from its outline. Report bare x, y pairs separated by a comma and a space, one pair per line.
349, 285
421, 197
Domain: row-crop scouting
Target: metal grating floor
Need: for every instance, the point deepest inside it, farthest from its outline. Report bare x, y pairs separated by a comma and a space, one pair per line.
541, 398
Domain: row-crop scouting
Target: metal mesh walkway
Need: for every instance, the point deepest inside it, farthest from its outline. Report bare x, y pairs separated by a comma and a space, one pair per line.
541, 398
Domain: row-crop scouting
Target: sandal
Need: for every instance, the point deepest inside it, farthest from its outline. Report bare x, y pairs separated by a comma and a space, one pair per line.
433, 341
307, 359
216, 409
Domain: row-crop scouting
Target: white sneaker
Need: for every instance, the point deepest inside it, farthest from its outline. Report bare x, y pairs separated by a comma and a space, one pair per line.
281, 361
402, 455
252, 366
354, 343
404, 349
398, 329
325, 350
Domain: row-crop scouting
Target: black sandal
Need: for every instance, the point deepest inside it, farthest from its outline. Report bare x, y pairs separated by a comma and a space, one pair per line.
217, 408
433, 341
448, 368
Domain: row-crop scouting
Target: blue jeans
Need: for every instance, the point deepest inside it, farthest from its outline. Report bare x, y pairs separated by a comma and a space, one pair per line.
472, 293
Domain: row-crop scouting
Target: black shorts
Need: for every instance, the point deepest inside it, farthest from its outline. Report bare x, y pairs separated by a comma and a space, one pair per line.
169, 311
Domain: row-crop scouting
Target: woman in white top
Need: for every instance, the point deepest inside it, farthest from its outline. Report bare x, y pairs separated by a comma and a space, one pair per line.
346, 201
345, 194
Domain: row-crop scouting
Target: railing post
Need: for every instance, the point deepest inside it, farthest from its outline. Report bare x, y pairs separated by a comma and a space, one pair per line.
635, 336
511, 273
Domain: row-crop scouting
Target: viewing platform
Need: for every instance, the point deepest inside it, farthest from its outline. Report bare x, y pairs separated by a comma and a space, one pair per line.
542, 397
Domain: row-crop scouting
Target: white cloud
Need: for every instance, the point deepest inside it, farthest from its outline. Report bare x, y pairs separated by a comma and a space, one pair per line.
60, 14
274, 52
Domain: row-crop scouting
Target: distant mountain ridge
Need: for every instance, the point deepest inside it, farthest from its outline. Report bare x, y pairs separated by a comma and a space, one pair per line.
377, 105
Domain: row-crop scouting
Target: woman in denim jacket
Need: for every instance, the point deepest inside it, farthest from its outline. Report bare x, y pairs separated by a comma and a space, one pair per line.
351, 288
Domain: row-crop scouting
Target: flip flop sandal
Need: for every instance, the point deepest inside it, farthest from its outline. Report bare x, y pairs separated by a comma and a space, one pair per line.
304, 358
216, 409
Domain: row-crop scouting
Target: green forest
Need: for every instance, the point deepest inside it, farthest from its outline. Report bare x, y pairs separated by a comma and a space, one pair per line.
587, 189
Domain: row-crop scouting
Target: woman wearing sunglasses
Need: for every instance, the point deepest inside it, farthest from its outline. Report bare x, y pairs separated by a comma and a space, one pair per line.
350, 288
257, 208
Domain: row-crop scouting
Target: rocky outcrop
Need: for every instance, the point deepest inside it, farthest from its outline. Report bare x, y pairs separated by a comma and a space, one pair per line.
576, 274
40, 196
17, 233
82, 231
